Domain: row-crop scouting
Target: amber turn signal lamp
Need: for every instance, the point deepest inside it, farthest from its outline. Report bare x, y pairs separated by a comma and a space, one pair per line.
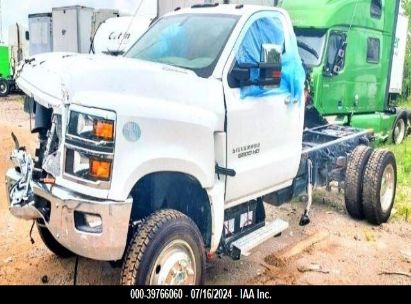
100, 169
103, 129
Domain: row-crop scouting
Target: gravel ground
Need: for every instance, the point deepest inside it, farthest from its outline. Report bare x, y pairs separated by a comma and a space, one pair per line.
351, 252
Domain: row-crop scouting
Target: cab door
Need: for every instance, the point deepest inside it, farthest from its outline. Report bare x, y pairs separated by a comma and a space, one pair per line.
264, 131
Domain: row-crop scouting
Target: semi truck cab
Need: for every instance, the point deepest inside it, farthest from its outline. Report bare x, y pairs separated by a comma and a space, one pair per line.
167, 154
354, 55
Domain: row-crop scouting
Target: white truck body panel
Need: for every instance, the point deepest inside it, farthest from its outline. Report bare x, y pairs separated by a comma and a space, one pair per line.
72, 29
400, 45
41, 33
165, 7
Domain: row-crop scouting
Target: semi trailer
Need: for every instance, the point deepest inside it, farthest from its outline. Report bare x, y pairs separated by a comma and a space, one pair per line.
180, 167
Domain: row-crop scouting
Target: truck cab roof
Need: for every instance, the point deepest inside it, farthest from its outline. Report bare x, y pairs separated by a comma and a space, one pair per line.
360, 13
225, 9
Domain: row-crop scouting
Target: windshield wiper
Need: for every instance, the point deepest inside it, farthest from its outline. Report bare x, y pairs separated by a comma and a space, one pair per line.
308, 48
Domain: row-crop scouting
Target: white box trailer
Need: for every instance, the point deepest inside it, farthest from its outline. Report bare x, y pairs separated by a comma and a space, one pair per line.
100, 16
72, 27
116, 35
398, 62
18, 43
41, 33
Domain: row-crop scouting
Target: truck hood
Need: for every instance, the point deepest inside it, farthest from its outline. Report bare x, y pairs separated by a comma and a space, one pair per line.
54, 79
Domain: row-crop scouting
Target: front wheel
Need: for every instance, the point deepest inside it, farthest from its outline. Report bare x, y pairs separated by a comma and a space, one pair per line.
4, 87
167, 249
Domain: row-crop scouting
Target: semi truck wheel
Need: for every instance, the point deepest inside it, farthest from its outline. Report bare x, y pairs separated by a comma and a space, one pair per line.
166, 249
399, 131
354, 181
4, 87
52, 244
380, 182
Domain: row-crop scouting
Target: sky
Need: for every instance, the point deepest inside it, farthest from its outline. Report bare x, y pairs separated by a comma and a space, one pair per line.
13, 11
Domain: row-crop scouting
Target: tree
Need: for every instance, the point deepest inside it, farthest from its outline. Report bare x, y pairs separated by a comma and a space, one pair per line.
407, 71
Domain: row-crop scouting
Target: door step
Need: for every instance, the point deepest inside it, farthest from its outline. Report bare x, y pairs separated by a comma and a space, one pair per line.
244, 245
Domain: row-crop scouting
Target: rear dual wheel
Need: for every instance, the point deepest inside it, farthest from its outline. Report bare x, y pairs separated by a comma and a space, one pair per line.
371, 180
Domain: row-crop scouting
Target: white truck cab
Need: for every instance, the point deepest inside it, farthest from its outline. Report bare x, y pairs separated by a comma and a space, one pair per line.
166, 154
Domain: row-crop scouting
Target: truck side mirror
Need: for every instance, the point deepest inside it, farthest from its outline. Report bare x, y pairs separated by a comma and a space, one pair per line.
269, 69
27, 35
339, 59
336, 54
240, 75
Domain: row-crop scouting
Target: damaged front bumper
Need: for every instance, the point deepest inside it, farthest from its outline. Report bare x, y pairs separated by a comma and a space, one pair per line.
63, 220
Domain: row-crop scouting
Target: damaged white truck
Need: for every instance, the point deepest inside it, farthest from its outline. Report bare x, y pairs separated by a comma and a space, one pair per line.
167, 155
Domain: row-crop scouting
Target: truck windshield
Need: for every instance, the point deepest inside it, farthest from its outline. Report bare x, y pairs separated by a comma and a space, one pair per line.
193, 42
311, 44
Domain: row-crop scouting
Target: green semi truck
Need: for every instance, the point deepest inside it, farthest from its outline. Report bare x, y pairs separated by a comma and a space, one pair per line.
6, 81
354, 52
10, 56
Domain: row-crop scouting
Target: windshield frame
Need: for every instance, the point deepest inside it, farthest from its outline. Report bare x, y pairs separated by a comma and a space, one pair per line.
204, 72
321, 51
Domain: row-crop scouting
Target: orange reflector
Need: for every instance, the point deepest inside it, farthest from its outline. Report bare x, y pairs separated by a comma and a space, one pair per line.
103, 129
100, 169
276, 74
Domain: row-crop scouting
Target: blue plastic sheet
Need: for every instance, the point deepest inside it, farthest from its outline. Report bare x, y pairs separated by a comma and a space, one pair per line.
268, 30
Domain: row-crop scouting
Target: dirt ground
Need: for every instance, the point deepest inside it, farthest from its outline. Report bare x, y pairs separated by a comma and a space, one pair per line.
333, 249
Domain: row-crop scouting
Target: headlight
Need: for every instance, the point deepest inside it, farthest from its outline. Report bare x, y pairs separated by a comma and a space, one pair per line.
91, 127
87, 167
89, 146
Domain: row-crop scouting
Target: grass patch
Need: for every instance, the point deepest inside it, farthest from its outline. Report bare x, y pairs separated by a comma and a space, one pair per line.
403, 156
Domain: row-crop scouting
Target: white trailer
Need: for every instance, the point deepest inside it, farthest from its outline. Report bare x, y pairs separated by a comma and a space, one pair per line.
19, 44
398, 62
100, 16
116, 35
72, 28
41, 33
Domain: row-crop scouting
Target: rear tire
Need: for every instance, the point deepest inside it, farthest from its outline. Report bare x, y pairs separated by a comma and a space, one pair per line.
379, 186
4, 87
399, 131
167, 248
52, 244
354, 181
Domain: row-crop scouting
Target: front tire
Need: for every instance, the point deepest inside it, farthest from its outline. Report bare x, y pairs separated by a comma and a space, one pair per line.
167, 249
4, 87
52, 244
379, 187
